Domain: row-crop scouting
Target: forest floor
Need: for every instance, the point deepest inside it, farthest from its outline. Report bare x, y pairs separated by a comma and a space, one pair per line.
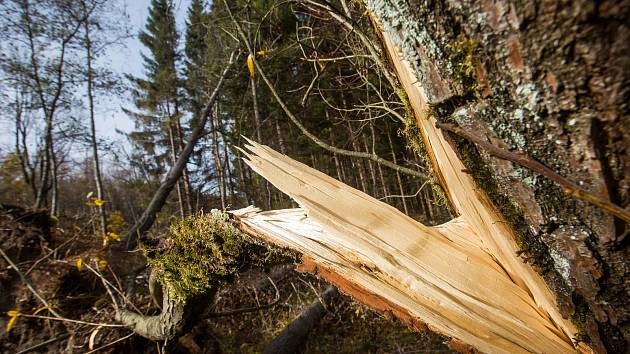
46, 253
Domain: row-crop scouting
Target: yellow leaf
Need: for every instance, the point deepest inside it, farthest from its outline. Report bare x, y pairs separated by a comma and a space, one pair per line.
14, 315
54, 218
79, 263
113, 236
321, 65
41, 309
250, 65
262, 53
102, 264
89, 195
11, 322
98, 202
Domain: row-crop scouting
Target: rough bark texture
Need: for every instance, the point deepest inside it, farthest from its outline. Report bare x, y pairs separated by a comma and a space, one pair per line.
549, 79
175, 319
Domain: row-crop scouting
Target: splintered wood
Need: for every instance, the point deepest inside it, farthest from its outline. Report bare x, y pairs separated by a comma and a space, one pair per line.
462, 278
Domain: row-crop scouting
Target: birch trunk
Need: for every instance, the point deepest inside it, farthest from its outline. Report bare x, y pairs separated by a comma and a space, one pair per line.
98, 181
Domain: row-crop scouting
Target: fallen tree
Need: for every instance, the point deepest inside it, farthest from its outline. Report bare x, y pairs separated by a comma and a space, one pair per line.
294, 335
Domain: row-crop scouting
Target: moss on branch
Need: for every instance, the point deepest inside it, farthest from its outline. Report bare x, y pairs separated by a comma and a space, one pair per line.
204, 252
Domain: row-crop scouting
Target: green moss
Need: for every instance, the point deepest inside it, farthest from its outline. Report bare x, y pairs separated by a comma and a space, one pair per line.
411, 130
461, 55
204, 252
532, 248
413, 136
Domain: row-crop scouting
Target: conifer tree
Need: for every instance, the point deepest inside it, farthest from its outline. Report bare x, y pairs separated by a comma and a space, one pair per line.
158, 95
196, 52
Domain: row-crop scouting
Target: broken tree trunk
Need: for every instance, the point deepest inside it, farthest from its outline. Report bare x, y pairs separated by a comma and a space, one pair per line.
462, 278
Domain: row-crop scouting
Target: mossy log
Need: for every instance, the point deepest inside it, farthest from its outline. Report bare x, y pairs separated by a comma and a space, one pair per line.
200, 254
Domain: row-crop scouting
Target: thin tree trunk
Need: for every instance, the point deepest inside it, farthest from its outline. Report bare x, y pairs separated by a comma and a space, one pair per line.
358, 165
427, 206
159, 198
21, 148
54, 199
257, 121
173, 147
257, 124
378, 165
228, 168
185, 177
241, 176
398, 178
217, 160
338, 166
283, 148
96, 165
371, 167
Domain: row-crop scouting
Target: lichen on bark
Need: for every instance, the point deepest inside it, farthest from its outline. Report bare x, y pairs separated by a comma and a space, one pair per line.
548, 83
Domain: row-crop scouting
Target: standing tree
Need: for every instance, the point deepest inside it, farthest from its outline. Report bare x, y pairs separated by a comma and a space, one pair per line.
158, 94
41, 36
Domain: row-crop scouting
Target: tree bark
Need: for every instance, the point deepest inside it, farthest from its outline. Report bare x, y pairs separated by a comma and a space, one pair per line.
98, 181
295, 334
546, 79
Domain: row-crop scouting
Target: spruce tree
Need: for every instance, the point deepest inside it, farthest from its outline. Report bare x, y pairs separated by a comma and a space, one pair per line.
196, 50
158, 94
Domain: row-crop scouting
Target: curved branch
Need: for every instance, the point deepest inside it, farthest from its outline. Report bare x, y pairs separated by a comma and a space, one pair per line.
570, 188
305, 131
176, 317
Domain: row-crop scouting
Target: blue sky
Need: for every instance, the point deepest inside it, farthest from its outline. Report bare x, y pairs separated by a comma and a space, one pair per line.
128, 60
123, 59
